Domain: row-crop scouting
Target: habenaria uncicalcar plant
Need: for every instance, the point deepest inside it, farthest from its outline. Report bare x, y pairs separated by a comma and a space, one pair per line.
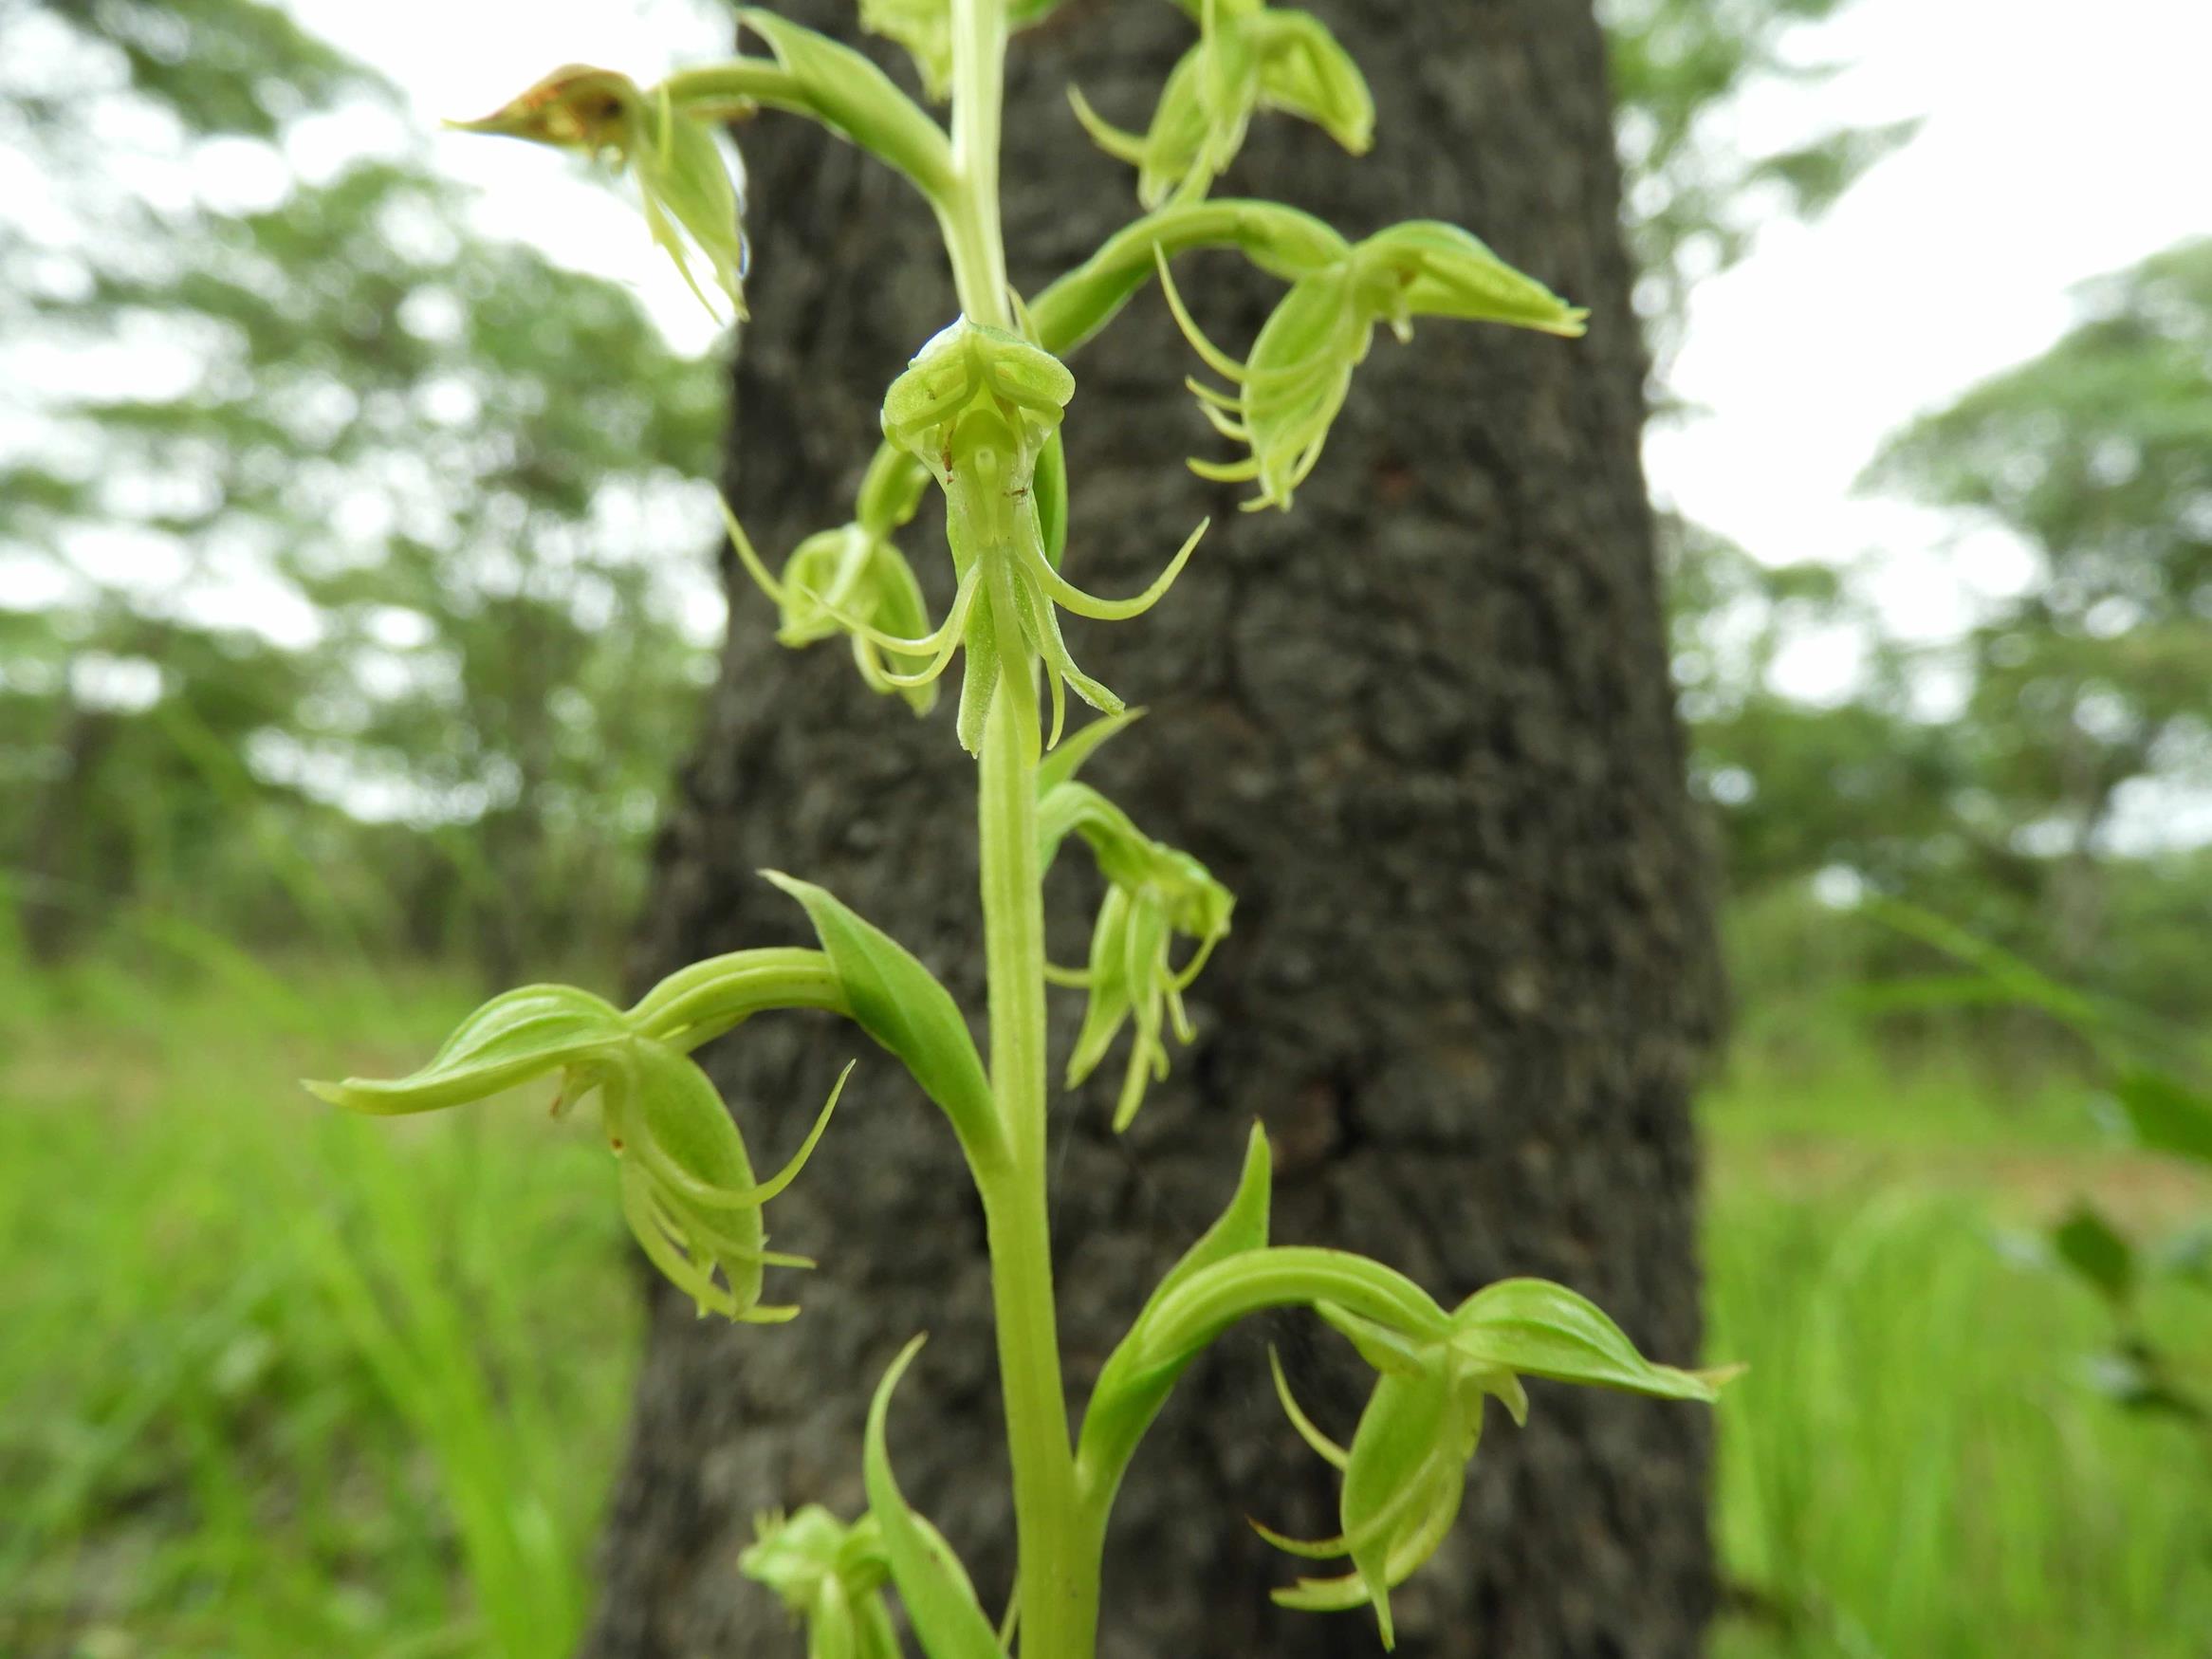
978, 414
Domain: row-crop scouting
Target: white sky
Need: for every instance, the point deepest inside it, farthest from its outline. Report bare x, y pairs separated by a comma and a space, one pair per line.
2063, 140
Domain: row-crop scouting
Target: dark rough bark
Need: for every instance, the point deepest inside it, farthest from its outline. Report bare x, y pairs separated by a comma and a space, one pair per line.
1422, 727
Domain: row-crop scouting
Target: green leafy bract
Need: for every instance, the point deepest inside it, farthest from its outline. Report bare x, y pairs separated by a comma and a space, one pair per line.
848, 93
940, 1601
900, 1004
1130, 1393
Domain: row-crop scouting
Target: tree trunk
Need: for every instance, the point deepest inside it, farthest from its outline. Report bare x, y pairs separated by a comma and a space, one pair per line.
1422, 727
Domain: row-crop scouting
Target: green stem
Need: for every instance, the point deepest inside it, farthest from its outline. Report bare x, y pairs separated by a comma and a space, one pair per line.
972, 220
1059, 1561
1059, 1583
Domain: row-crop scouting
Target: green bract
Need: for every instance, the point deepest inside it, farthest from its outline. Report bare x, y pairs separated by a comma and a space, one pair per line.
924, 27
939, 1599
1249, 57
980, 410
691, 205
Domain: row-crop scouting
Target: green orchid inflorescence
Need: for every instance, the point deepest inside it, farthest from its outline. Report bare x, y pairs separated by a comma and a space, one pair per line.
980, 412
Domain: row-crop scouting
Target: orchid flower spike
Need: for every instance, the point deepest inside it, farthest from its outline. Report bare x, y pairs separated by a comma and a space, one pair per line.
831, 1578
692, 204
1286, 394
979, 408
1249, 57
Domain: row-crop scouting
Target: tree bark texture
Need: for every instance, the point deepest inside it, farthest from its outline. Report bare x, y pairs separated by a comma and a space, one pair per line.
1422, 726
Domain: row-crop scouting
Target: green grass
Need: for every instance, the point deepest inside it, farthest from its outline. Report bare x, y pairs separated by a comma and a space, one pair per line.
278, 1382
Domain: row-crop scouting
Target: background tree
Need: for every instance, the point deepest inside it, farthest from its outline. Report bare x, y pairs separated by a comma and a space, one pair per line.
1426, 735
2097, 455
266, 615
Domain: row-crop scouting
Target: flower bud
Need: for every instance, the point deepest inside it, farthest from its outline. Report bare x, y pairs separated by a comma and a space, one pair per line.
691, 203
831, 1577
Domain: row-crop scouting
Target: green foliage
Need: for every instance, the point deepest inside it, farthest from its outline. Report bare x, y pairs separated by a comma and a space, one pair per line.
477, 648
207, 1458
2163, 1113
1906, 1470
281, 1383
2097, 455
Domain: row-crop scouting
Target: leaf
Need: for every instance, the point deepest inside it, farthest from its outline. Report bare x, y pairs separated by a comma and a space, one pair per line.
517, 1036
1126, 1397
940, 1601
1061, 766
850, 94
1536, 1327
2166, 1116
900, 1003
2088, 1243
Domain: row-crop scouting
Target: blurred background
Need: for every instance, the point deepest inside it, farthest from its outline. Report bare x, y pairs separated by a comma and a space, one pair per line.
353, 623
